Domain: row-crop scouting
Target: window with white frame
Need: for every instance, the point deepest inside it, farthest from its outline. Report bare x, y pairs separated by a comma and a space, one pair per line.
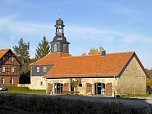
12, 69
44, 69
11, 81
38, 69
12, 58
3, 81
3, 69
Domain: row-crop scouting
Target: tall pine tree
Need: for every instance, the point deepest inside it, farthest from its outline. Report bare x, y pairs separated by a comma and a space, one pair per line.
43, 49
22, 53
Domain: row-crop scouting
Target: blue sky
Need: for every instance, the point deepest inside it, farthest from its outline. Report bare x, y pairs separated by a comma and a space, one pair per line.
116, 25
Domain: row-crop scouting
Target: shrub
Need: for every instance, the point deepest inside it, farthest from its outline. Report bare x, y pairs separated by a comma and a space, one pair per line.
57, 105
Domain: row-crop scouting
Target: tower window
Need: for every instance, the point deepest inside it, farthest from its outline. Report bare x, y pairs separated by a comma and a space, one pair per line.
55, 47
64, 48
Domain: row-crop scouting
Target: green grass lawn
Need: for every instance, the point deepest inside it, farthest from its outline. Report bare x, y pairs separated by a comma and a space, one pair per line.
23, 90
135, 95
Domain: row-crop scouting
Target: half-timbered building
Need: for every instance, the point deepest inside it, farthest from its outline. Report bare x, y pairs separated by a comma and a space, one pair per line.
9, 68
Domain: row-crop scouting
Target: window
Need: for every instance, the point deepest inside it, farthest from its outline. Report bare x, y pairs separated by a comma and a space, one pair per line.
64, 48
3, 59
12, 69
12, 58
41, 83
3, 69
11, 81
44, 69
55, 48
3, 81
38, 69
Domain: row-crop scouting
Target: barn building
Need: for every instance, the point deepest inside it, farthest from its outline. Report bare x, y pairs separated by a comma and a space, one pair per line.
105, 74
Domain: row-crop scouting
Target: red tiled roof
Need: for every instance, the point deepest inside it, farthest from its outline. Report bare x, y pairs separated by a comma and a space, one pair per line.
50, 59
3, 52
90, 66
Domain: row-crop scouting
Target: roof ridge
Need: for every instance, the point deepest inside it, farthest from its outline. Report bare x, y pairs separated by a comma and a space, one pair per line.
4, 48
98, 54
121, 52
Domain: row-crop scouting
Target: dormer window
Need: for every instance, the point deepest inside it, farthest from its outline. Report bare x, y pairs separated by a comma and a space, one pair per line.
38, 69
44, 69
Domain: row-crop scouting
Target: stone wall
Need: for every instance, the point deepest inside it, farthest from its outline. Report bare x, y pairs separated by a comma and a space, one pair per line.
84, 81
38, 83
132, 80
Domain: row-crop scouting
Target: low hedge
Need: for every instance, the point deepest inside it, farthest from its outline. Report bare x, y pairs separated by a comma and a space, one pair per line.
55, 105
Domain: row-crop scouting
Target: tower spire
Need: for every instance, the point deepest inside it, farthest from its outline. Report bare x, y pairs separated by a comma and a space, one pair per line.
59, 43
59, 13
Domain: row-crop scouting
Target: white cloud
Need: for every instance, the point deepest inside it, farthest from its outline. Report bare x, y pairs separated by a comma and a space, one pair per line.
87, 33
12, 26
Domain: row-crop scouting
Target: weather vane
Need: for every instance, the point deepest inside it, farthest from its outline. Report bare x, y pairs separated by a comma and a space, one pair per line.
59, 13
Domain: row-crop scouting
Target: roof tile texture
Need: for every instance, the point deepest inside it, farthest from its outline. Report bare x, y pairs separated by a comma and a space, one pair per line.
84, 66
3, 52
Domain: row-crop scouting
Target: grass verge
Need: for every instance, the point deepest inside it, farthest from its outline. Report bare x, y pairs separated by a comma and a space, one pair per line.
23, 90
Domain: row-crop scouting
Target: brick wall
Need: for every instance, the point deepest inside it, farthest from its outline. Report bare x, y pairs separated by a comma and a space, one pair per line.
7, 80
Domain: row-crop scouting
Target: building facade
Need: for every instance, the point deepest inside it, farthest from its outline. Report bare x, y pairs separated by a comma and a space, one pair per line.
103, 74
9, 68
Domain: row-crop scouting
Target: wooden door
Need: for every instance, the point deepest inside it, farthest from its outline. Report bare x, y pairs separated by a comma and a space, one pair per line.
88, 89
109, 89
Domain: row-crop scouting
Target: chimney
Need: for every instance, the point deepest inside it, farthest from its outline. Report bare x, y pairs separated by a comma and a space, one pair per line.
103, 52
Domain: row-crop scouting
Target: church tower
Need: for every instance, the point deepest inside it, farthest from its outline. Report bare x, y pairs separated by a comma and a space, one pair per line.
59, 43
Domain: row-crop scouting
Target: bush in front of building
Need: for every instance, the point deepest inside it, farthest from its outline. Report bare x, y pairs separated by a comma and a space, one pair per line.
55, 105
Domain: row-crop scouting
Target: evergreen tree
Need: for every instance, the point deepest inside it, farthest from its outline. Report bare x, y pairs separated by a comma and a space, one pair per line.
22, 53
43, 48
